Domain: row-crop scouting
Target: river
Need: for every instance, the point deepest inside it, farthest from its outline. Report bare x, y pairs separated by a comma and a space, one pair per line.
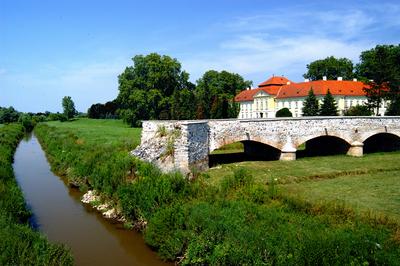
59, 214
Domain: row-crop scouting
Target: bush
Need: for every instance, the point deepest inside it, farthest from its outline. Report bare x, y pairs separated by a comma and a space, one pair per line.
358, 110
284, 112
27, 122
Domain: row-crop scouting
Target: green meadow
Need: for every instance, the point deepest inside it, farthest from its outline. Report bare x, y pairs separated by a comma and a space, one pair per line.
321, 210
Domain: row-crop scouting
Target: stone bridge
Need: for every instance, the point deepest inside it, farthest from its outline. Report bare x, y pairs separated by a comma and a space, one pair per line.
191, 142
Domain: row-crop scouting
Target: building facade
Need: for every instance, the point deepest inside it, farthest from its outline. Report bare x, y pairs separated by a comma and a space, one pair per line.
279, 92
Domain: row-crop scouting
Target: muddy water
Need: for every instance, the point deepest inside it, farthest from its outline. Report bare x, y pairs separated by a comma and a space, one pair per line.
60, 215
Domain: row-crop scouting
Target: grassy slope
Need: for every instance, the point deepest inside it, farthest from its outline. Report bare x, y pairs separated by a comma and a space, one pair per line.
19, 244
227, 219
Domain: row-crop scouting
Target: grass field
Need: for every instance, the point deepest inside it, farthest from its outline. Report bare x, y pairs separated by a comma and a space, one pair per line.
230, 148
311, 167
378, 192
272, 213
102, 131
369, 183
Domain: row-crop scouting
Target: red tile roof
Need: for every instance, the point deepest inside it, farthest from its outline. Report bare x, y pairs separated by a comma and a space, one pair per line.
270, 86
275, 80
278, 86
320, 87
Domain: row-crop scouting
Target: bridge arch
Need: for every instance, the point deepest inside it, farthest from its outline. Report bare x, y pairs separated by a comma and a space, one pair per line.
252, 151
382, 142
304, 139
257, 139
323, 145
371, 133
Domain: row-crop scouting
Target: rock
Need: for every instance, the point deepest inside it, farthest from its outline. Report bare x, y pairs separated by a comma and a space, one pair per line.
110, 214
102, 207
90, 196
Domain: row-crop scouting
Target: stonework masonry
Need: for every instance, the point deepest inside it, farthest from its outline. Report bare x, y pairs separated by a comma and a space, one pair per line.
198, 138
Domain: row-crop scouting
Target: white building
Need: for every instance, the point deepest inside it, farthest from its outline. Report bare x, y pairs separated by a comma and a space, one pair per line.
279, 92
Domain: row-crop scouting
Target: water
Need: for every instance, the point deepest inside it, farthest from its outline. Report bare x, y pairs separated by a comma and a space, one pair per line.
59, 214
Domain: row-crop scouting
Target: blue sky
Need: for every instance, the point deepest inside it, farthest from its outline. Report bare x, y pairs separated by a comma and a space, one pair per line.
50, 49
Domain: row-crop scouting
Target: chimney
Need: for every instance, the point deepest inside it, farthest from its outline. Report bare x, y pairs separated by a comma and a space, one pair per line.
306, 80
324, 78
354, 79
288, 83
339, 78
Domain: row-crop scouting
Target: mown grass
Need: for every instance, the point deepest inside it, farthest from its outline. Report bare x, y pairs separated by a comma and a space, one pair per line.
229, 216
377, 192
230, 148
102, 131
311, 167
19, 244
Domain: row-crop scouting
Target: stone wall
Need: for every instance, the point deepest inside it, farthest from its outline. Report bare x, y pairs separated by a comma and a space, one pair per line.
197, 139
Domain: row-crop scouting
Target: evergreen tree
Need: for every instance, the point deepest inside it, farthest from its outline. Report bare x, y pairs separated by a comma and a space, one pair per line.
311, 105
329, 106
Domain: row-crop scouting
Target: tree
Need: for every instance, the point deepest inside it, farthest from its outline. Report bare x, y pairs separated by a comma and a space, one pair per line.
27, 122
376, 93
394, 107
8, 115
358, 110
68, 107
311, 105
103, 111
146, 89
330, 67
96, 111
284, 112
329, 106
182, 105
380, 67
215, 94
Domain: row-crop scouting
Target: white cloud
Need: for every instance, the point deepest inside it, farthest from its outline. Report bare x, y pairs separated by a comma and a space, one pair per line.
286, 43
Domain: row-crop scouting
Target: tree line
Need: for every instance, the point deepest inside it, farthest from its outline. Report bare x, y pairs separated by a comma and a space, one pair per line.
29, 120
156, 87
379, 68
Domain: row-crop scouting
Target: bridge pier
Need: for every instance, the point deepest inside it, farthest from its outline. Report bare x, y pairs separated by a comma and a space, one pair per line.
288, 152
356, 149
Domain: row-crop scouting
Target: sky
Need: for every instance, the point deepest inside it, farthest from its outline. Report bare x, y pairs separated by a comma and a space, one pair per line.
51, 49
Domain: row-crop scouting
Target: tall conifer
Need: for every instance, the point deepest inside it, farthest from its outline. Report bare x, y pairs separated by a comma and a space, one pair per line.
329, 106
311, 105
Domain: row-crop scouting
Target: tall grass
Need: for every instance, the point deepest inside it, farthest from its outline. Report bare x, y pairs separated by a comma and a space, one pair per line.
100, 166
245, 227
19, 244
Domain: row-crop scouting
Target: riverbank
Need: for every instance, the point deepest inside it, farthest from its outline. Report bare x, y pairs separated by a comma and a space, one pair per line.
20, 244
235, 220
